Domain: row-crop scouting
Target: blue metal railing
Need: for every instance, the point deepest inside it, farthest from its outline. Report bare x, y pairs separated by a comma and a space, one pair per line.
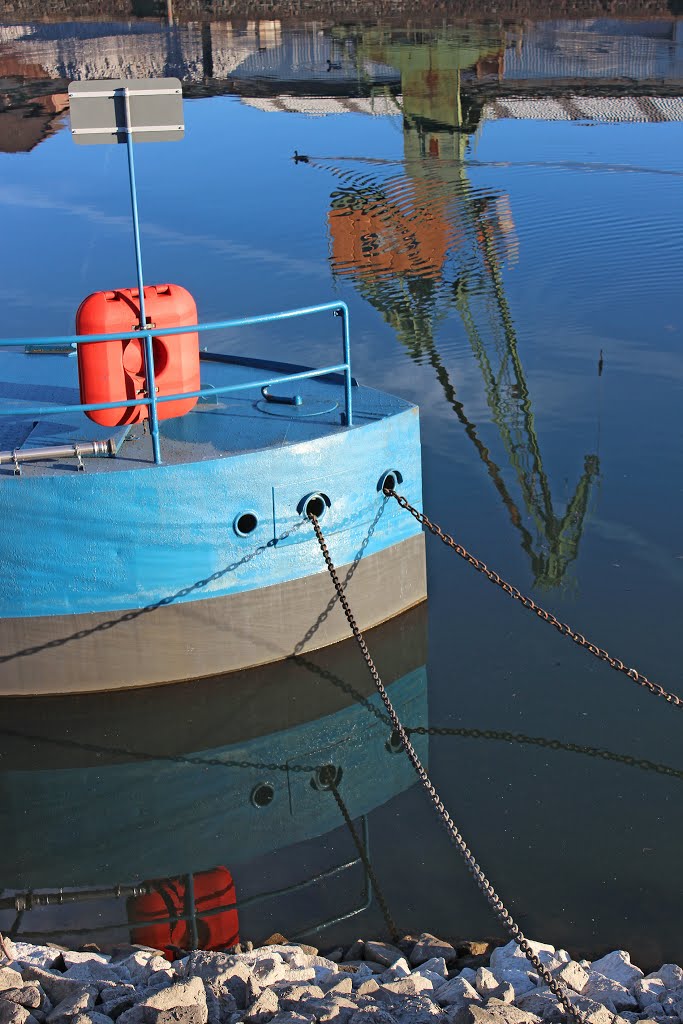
338, 308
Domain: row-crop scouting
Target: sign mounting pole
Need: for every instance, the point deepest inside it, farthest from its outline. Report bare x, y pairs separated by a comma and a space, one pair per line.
156, 114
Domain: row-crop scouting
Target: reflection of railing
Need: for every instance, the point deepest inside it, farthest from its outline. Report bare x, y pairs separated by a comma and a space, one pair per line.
338, 308
23, 902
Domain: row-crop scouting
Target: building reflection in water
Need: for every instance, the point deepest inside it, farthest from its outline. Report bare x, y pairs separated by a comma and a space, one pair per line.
418, 241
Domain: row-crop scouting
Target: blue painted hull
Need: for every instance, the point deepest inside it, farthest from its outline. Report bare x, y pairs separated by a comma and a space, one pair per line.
131, 574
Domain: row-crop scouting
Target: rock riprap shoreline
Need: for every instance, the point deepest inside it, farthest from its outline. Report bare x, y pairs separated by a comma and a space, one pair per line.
423, 982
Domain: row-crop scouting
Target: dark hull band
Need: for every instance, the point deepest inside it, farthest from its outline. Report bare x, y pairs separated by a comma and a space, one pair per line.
193, 639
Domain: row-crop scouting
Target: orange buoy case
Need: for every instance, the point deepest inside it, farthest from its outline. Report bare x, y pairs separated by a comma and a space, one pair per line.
110, 371
154, 922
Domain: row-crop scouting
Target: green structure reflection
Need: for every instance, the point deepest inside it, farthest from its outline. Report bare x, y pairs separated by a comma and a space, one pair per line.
418, 240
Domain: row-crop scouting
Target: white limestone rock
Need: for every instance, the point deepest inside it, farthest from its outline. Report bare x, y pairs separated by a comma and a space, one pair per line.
468, 974
503, 955
341, 984
71, 1005
291, 996
593, 1012
542, 1003
10, 977
72, 957
513, 973
28, 953
618, 967
428, 946
183, 993
649, 990
418, 1010
457, 992
492, 1013
263, 1008
671, 976
410, 986
400, 969
435, 966
607, 991
571, 974
372, 1015
12, 1013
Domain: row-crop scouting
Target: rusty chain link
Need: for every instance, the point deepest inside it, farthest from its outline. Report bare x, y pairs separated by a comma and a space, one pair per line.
473, 867
527, 602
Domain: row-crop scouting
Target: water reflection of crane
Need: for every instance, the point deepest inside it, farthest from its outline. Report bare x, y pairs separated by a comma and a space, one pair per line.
417, 240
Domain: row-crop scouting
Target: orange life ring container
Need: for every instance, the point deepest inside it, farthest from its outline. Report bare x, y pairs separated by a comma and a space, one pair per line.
115, 370
212, 890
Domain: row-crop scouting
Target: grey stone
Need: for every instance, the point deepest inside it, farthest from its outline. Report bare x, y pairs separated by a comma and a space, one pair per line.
28, 996
457, 992
467, 974
220, 1004
91, 1017
630, 1016
571, 974
366, 967
335, 955
269, 969
71, 1005
653, 1010
28, 953
340, 983
398, 970
138, 966
135, 1015
428, 946
10, 978
418, 1010
486, 982
543, 1004
372, 1015
72, 957
292, 1017
618, 967
649, 990
355, 951
291, 995
593, 1013
435, 965
410, 986
382, 953
119, 1004
513, 973
263, 1008
177, 1015
301, 974
54, 984
492, 1014
183, 993
671, 975
368, 987
339, 1009
604, 989
92, 972
12, 1013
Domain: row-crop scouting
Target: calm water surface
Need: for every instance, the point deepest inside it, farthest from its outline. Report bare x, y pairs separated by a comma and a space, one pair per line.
514, 267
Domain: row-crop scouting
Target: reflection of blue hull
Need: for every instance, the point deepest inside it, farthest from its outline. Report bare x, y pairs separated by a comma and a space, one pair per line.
130, 573
144, 805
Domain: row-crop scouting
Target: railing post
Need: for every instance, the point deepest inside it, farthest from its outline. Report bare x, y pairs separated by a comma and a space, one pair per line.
149, 351
344, 314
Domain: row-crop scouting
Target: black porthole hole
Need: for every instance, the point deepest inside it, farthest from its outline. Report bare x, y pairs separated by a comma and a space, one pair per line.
315, 504
389, 480
394, 744
326, 777
262, 795
245, 523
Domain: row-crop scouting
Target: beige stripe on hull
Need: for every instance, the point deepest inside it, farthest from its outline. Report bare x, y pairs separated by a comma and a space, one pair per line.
189, 640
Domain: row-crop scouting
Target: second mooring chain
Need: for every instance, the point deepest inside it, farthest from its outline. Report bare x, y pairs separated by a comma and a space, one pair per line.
474, 868
527, 602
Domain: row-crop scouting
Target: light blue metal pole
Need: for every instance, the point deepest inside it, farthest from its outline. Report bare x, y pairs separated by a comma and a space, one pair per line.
149, 354
347, 359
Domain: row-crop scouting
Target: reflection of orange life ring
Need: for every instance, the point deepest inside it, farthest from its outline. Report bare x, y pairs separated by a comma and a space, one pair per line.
212, 890
110, 371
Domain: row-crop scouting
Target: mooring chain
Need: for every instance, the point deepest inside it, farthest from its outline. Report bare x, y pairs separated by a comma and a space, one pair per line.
527, 602
370, 871
473, 867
